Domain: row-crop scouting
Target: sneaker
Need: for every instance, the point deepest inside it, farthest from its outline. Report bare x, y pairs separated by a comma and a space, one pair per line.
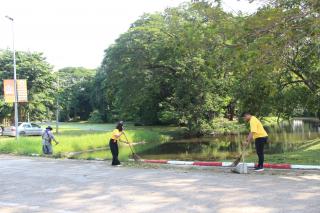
258, 169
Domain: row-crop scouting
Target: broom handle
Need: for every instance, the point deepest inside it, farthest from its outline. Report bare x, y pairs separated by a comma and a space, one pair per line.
128, 143
243, 155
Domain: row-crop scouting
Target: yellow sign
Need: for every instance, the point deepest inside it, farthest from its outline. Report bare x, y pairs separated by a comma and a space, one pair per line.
8, 88
9, 94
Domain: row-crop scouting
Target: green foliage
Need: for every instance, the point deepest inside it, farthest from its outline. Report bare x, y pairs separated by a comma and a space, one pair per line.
165, 72
95, 117
74, 95
188, 66
193, 63
225, 126
75, 91
33, 67
283, 44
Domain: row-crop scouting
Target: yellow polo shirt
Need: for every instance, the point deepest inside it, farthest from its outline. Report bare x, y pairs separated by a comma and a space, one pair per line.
114, 133
257, 129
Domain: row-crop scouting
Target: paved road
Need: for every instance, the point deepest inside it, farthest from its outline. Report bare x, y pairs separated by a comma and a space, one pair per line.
50, 185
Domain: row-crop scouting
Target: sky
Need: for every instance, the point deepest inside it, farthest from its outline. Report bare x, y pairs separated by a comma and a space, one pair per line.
76, 32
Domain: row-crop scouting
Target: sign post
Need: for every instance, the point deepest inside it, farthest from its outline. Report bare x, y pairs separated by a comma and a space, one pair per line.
16, 119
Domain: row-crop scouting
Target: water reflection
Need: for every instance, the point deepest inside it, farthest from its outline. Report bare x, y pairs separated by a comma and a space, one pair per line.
285, 137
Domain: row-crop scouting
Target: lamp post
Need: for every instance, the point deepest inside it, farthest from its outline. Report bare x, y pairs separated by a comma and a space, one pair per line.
15, 79
57, 112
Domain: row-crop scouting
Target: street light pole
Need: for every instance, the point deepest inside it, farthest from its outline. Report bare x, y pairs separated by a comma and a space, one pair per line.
57, 112
15, 80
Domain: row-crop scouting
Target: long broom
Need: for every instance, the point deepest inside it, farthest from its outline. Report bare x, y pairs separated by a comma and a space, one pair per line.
134, 155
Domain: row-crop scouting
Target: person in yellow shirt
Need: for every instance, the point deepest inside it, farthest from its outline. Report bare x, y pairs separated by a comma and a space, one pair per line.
113, 143
259, 135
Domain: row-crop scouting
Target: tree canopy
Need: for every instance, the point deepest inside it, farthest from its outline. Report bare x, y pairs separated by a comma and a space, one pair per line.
195, 62
186, 66
75, 89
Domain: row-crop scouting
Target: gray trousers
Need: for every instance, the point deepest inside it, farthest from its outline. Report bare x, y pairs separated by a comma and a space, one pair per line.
47, 149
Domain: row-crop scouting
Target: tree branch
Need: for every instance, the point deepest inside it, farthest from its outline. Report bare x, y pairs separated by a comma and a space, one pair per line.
158, 66
292, 82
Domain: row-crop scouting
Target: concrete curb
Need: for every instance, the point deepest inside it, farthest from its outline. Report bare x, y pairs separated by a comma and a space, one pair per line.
228, 164
71, 154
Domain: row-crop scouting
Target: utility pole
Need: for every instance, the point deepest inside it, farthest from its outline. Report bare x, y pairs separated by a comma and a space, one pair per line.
16, 119
57, 112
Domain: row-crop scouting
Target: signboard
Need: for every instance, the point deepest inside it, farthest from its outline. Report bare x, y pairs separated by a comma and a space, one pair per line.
22, 90
8, 89
9, 94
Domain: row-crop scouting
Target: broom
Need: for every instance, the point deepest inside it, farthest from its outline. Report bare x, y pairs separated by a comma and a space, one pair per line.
238, 159
134, 155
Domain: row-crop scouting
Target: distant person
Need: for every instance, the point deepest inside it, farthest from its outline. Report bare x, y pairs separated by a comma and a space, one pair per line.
259, 135
113, 143
47, 138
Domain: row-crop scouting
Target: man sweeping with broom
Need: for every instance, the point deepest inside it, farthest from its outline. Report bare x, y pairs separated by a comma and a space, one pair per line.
259, 135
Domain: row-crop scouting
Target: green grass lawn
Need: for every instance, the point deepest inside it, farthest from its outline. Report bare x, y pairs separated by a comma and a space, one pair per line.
308, 153
75, 137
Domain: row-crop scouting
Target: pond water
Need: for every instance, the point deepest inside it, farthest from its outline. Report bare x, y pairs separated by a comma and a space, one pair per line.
286, 137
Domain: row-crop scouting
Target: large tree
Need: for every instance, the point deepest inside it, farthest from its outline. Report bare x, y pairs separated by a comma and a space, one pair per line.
282, 50
170, 67
194, 62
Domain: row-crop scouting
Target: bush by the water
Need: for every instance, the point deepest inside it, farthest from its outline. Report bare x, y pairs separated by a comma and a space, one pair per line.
95, 117
223, 126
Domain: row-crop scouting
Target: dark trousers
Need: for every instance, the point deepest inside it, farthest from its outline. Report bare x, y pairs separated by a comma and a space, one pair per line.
259, 142
115, 152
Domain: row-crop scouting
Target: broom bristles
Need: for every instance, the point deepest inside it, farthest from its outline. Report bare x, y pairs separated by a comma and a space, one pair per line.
136, 157
236, 162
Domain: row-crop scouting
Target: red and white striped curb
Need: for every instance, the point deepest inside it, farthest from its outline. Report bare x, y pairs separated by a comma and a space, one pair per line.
228, 164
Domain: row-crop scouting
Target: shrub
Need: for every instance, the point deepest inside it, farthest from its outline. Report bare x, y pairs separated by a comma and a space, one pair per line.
95, 117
